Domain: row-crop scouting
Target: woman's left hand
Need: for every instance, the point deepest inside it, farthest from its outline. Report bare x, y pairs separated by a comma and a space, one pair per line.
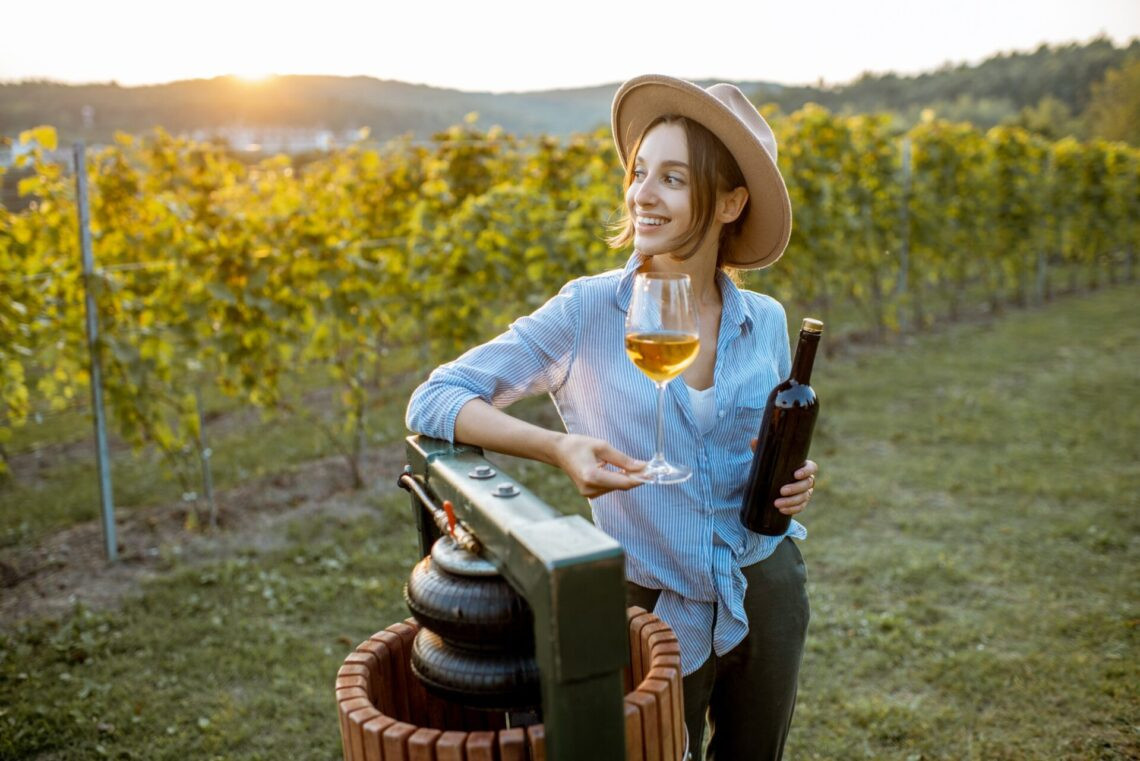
797, 494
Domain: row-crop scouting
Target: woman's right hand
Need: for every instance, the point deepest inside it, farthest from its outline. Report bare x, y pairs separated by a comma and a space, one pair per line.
586, 460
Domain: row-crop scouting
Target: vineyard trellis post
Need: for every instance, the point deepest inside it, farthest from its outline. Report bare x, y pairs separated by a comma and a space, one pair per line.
1052, 236
102, 452
904, 237
204, 455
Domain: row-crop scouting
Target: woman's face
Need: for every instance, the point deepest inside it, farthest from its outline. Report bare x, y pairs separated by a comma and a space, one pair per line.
659, 197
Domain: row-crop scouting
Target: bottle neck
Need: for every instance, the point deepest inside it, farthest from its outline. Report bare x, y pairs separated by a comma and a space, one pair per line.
805, 357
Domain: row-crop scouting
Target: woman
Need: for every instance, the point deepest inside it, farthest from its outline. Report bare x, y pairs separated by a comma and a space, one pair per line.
702, 193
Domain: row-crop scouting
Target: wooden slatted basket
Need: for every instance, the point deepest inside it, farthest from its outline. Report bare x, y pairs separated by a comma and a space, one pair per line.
387, 715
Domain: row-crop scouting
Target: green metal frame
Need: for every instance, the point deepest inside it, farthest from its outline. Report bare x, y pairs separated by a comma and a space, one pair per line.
571, 574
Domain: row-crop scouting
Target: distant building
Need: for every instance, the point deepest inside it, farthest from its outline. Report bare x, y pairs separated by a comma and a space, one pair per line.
273, 140
258, 140
10, 152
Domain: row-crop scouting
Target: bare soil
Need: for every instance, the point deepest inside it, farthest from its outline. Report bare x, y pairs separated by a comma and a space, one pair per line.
70, 567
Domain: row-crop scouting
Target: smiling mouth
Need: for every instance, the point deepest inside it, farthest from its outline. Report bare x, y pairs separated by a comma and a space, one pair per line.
643, 221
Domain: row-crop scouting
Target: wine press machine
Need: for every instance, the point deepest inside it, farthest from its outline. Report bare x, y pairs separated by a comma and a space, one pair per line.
569, 672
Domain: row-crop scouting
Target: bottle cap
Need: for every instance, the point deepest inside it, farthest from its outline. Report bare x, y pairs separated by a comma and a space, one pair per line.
812, 326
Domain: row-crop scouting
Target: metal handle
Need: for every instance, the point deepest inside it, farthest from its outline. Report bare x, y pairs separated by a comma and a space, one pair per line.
462, 536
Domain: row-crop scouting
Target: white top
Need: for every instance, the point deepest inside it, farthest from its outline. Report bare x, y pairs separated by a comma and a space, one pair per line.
704, 407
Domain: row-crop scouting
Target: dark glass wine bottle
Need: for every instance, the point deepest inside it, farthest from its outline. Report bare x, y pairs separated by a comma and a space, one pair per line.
784, 439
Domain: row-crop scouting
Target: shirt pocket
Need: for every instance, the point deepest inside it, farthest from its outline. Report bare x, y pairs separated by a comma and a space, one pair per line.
749, 409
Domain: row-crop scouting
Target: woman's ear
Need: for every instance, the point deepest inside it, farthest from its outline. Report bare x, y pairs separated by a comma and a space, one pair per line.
730, 203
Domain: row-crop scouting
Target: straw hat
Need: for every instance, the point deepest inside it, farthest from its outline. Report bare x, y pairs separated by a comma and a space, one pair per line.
724, 111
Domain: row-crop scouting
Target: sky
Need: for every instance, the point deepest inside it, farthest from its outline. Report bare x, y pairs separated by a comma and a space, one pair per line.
513, 45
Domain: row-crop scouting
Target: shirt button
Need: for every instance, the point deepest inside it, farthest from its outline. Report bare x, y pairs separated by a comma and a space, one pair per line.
720, 413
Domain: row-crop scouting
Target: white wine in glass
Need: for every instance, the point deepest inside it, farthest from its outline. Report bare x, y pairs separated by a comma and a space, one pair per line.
662, 339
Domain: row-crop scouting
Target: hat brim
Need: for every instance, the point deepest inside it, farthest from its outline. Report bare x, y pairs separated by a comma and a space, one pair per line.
765, 231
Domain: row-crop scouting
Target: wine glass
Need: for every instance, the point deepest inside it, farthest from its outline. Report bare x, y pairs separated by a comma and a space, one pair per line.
661, 338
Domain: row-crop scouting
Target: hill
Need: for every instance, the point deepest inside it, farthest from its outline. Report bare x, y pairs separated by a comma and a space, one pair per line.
1001, 88
388, 108
1009, 81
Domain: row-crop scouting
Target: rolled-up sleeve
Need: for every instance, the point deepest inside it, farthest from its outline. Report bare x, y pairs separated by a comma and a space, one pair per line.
532, 357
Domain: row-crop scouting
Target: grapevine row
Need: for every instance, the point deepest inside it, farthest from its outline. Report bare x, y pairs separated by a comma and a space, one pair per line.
373, 261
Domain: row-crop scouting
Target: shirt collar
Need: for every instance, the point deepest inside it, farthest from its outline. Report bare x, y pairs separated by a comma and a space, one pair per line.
625, 282
733, 312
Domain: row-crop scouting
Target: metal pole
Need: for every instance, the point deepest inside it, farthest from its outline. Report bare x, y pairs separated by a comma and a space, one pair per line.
102, 452
204, 454
1043, 248
904, 237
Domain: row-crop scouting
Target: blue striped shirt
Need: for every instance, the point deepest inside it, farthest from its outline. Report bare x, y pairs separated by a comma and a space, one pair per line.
685, 539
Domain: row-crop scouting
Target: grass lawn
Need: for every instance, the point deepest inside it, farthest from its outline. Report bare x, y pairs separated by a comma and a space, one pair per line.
973, 551
972, 567
245, 445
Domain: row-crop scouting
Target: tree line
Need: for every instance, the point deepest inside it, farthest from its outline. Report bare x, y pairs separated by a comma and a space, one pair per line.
1050, 90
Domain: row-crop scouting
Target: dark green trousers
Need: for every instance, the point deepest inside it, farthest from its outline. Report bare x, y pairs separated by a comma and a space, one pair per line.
748, 695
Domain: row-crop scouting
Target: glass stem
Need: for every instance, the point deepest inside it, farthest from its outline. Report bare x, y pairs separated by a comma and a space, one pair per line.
660, 456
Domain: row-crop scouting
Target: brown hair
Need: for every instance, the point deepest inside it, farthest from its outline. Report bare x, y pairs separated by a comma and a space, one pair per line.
713, 169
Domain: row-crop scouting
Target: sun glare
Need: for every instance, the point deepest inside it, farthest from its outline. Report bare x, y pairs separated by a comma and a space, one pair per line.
254, 77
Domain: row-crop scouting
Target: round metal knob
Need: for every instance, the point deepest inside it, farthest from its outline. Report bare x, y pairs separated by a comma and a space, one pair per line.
481, 472
506, 489
450, 557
